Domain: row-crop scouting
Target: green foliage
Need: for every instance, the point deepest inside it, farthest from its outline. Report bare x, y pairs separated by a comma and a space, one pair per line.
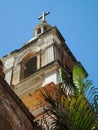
78, 111
78, 77
81, 114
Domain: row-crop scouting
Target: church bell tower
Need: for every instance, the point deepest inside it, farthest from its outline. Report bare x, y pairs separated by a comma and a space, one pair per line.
36, 65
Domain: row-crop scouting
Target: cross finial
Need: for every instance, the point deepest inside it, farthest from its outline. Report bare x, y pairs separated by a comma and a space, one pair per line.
43, 15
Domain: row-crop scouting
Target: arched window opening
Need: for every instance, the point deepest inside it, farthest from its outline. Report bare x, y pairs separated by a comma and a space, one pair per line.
28, 67
39, 31
45, 28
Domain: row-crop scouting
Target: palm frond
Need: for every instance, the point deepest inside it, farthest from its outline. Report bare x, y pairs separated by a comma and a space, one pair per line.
78, 77
77, 111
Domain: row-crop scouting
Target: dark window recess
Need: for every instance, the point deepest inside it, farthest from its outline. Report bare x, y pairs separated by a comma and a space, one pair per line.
29, 67
45, 28
39, 31
1, 63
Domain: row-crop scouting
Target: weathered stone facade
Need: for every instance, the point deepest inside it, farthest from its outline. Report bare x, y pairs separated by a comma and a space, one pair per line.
37, 63
46, 49
13, 113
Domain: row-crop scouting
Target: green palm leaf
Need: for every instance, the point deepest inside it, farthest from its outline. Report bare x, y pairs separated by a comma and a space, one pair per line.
78, 111
78, 77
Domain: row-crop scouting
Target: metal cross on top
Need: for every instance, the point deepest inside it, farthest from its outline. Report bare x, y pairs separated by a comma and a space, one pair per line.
43, 15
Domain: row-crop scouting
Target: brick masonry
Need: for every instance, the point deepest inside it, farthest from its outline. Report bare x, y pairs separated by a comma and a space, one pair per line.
11, 111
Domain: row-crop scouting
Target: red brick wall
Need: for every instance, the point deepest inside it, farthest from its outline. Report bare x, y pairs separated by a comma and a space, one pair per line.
10, 110
35, 99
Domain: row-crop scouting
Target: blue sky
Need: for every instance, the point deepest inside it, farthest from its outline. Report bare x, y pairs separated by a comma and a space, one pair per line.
77, 20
